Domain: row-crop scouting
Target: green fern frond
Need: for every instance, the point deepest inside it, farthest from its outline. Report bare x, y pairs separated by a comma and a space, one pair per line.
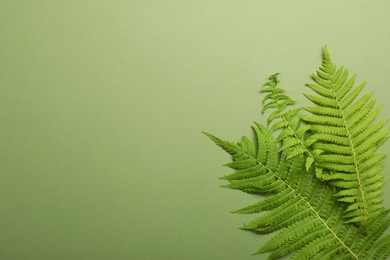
309, 219
341, 125
286, 119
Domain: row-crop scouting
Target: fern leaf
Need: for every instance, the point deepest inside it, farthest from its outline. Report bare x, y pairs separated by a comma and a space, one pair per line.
245, 173
309, 162
358, 105
230, 147
303, 210
320, 90
322, 101
266, 204
339, 112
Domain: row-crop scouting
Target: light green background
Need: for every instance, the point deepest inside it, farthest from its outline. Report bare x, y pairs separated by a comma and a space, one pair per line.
102, 104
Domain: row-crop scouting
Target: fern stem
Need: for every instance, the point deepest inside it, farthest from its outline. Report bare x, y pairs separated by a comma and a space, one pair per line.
355, 160
357, 172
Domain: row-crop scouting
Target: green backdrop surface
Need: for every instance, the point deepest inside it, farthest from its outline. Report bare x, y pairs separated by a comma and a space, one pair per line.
102, 104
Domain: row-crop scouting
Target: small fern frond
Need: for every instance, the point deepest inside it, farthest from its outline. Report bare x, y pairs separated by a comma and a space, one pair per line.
285, 119
309, 219
342, 125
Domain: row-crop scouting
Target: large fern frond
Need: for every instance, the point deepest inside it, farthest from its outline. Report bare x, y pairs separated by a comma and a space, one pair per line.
343, 128
302, 208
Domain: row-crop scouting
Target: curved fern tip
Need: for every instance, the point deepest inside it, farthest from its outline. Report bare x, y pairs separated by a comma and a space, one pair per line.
274, 77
